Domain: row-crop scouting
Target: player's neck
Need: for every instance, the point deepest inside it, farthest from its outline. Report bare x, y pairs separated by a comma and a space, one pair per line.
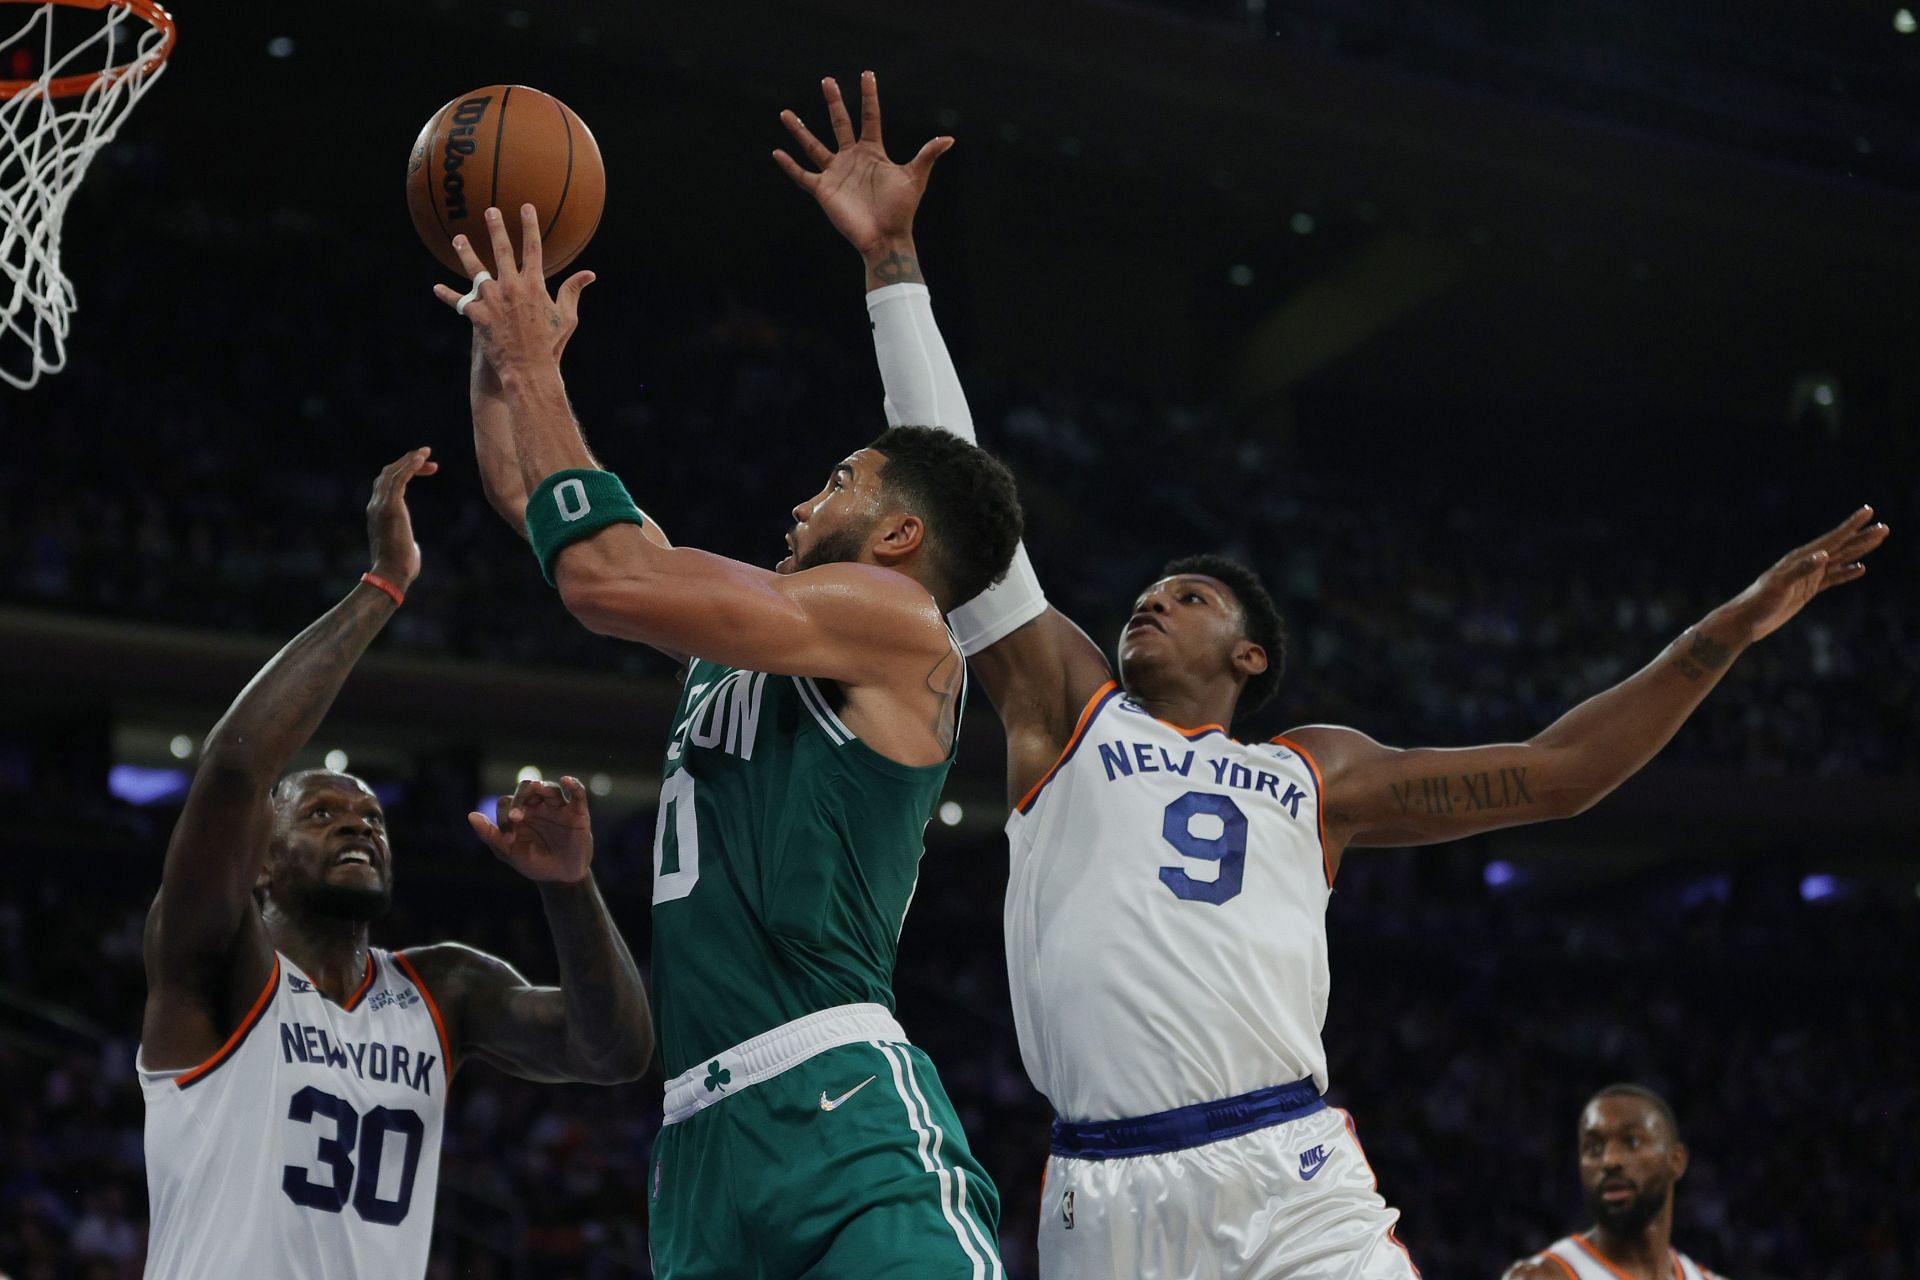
333, 953
1644, 1253
1189, 708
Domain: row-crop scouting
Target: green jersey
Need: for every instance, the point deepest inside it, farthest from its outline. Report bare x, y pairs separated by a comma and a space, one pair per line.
784, 857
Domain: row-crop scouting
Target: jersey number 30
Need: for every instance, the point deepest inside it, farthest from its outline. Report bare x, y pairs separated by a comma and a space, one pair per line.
370, 1133
1228, 848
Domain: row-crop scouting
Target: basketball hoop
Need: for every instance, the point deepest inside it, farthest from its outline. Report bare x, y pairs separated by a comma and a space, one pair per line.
51, 125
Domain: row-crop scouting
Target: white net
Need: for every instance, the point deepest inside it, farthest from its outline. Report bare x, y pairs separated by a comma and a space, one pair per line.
51, 126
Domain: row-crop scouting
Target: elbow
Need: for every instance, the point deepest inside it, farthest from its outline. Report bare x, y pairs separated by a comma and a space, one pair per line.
588, 598
623, 1065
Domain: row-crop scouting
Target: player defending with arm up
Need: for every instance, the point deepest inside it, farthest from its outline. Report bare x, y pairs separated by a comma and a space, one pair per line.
804, 1134
1179, 878
296, 1076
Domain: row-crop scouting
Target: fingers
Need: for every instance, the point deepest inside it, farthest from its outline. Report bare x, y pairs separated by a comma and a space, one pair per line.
837, 113
469, 260
503, 257
530, 256
495, 839
791, 167
870, 108
569, 296
922, 165
814, 149
1842, 573
1840, 532
1863, 543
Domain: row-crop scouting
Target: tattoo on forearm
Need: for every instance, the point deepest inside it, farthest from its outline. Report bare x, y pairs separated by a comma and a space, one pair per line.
898, 268
1445, 793
1703, 655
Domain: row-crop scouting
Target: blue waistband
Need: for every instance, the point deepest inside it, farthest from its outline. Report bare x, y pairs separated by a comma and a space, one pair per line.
1193, 1126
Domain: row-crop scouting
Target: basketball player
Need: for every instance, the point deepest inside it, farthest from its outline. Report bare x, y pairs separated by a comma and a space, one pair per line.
804, 1135
1630, 1158
295, 1076
1165, 911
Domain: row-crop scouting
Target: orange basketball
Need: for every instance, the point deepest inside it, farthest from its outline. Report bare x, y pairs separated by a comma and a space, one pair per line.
506, 145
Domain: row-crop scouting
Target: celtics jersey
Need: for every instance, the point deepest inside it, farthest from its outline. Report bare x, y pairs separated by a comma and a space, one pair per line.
784, 857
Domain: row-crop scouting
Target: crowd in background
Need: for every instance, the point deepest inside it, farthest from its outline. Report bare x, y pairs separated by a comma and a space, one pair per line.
1468, 1024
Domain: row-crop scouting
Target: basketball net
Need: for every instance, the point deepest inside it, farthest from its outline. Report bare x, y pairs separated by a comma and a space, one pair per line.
51, 126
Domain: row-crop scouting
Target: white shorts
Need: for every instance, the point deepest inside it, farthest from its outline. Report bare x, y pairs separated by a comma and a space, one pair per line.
1296, 1201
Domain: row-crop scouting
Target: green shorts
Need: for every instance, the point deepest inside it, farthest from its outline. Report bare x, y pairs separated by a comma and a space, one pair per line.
849, 1164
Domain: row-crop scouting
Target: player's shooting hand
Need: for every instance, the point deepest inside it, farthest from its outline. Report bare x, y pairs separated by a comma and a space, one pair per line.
542, 830
516, 322
396, 556
869, 199
1803, 573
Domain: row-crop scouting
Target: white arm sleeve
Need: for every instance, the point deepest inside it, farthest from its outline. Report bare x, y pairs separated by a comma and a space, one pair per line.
923, 389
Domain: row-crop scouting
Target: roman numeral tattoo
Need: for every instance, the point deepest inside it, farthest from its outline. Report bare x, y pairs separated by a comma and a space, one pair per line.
1445, 793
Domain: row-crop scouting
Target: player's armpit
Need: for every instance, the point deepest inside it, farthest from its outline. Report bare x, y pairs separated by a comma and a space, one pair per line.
1039, 678
857, 624
1379, 796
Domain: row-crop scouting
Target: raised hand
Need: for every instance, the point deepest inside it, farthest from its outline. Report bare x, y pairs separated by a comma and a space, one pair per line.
1803, 573
396, 556
869, 199
542, 830
515, 321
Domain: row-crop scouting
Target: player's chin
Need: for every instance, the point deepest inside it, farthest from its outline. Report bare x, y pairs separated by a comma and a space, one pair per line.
359, 898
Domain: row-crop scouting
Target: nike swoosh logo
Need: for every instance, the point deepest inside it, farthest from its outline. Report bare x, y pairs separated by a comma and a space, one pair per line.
1308, 1175
830, 1104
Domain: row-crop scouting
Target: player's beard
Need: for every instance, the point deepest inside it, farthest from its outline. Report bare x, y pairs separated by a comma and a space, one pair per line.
842, 546
1632, 1217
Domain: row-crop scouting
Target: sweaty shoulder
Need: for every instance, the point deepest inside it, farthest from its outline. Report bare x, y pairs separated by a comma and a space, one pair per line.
885, 607
1538, 1267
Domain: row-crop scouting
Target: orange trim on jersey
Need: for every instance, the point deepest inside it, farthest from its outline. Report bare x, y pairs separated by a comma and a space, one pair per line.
225, 1051
1319, 802
1563, 1264
1612, 1270
1392, 1239
365, 983
433, 1007
1094, 703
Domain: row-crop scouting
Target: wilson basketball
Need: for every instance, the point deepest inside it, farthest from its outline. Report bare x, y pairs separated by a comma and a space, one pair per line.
506, 145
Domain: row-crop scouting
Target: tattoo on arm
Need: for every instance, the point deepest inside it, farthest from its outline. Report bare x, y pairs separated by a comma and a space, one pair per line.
1444, 793
898, 268
1703, 655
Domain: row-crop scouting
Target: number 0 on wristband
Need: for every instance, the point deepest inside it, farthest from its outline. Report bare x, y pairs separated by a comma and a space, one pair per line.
570, 505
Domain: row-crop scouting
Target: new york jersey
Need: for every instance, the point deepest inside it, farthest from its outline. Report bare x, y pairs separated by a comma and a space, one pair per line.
784, 859
308, 1147
1166, 917
1581, 1261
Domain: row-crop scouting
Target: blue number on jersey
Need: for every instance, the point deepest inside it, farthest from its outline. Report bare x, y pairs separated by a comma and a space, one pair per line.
336, 1153
1229, 848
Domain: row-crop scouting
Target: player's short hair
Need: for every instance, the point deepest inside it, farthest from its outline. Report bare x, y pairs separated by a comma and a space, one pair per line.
1646, 1095
966, 497
1260, 619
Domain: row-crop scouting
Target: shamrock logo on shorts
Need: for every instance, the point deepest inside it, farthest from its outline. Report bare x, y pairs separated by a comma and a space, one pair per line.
718, 1077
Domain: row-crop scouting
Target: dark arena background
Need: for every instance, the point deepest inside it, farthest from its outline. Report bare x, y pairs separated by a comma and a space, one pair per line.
1503, 337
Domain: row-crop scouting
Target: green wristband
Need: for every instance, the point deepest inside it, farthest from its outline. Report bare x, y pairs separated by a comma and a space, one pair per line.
570, 505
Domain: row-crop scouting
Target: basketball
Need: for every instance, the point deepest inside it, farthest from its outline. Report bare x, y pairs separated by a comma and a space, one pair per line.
505, 145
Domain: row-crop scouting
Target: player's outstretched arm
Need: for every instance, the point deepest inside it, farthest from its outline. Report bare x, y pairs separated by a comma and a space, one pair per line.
206, 952
856, 624
1036, 666
1380, 796
595, 1026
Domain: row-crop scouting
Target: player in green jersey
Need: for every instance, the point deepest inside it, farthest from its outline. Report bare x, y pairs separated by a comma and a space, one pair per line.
804, 1136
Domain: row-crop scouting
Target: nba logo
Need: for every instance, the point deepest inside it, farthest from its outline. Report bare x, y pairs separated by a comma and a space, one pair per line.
1066, 1209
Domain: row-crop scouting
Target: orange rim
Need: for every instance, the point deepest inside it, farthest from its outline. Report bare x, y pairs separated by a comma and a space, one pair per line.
71, 86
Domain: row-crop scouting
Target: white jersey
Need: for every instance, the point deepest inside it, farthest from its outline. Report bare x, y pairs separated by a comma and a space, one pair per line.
308, 1147
1166, 917
1581, 1261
